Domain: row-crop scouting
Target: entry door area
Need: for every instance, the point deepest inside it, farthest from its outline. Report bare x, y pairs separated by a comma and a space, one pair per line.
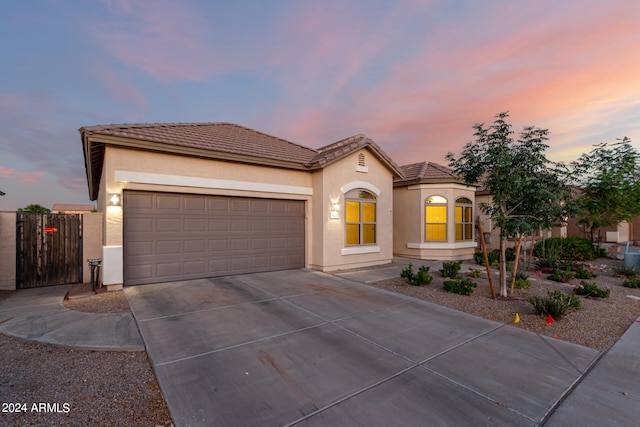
170, 237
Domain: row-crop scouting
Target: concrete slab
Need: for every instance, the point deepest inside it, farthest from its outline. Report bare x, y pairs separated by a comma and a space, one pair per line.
418, 330
294, 282
516, 369
417, 398
191, 334
610, 393
166, 299
275, 381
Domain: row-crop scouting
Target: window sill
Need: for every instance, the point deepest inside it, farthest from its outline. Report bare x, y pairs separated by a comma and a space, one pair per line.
356, 250
443, 245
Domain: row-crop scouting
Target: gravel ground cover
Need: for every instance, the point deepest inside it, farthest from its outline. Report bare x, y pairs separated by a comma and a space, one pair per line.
82, 388
598, 324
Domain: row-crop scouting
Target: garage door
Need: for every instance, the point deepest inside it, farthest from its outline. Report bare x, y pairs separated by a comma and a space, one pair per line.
171, 237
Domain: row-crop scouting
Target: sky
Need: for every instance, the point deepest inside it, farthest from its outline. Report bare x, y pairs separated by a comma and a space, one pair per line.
413, 75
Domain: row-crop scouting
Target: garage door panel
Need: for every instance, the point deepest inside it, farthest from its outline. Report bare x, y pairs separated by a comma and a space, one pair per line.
184, 236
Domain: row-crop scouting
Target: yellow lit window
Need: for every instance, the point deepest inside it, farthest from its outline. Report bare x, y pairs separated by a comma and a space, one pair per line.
436, 219
360, 218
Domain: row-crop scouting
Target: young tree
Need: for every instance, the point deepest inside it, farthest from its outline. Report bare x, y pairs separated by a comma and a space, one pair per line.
34, 209
609, 181
528, 190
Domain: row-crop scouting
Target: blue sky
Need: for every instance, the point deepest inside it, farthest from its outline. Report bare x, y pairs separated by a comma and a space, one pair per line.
413, 75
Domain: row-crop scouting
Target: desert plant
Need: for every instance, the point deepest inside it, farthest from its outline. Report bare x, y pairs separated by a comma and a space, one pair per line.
493, 257
548, 259
460, 286
450, 269
522, 280
583, 273
422, 277
476, 274
556, 304
591, 290
632, 282
624, 271
561, 276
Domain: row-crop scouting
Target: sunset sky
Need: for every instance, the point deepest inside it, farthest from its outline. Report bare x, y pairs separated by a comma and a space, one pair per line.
413, 75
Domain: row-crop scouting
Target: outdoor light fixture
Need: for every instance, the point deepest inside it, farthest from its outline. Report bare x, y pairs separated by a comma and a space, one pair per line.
114, 199
335, 208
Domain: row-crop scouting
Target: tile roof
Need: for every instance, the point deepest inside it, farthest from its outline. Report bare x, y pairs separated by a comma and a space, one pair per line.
223, 137
426, 171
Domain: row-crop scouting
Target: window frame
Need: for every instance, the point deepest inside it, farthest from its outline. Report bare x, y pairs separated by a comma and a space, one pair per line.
436, 203
466, 224
370, 199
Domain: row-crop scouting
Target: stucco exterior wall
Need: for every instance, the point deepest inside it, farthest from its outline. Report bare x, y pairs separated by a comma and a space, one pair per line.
92, 237
8, 251
330, 186
409, 206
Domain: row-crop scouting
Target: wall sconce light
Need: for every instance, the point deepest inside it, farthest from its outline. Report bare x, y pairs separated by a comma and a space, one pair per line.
335, 211
114, 199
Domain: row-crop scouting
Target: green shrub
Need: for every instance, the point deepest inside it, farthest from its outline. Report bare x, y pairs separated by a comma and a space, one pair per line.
460, 286
561, 276
450, 269
422, 277
624, 271
548, 260
522, 280
591, 290
632, 282
556, 303
568, 248
493, 256
476, 274
510, 254
583, 273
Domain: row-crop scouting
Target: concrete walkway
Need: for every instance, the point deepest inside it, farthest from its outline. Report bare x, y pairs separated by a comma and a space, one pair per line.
39, 315
303, 347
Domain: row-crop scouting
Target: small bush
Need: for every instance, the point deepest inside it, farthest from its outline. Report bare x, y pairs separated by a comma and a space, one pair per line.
522, 280
493, 257
556, 303
561, 276
583, 273
628, 272
462, 287
548, 261
632, 282
591, 290
476, 274
568, 248
422, 277
510, 254
450, 269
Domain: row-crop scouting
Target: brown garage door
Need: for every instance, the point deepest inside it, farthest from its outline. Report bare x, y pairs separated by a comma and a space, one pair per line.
171, 237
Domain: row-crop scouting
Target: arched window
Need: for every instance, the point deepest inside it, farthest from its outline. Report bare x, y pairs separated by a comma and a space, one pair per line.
435, 214
464, 219
360, 217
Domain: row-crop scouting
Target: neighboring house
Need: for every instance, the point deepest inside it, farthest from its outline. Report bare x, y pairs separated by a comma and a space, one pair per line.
195, 200
63, 208
434, 214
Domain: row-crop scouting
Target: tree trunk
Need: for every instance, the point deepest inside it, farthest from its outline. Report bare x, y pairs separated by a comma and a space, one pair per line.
503, 266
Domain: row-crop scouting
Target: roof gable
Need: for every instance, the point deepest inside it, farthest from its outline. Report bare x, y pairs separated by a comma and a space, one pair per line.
425, 172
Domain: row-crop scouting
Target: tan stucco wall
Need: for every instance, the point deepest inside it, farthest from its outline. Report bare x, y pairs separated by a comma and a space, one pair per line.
409, 222
8, 251
91, 241
329, 234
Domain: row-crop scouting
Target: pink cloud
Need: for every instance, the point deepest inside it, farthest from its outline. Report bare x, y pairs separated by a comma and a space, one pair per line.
25, 177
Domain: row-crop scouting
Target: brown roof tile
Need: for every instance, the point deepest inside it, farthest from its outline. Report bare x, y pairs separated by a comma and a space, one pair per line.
223, 137
426, 171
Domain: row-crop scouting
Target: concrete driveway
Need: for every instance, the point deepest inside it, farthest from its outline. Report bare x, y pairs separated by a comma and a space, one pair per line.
301, 347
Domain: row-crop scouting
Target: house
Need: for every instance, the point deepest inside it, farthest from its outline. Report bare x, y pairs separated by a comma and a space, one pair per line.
434, 214
195, 200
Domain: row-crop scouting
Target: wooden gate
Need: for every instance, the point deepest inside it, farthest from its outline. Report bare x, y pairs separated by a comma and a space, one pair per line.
49, 250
